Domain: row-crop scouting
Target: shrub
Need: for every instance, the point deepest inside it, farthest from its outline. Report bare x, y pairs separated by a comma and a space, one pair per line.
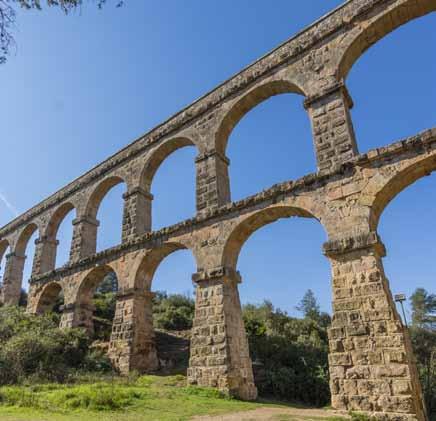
424, 346
33, 348
173, 312
290, 355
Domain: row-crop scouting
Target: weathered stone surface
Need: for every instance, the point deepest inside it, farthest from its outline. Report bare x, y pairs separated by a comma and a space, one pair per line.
371, 361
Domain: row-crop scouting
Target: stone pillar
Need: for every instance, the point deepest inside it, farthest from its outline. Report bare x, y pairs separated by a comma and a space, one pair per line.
77, 315
333, 131
45, 255
12, 279
84, 242
372, 367
132, 344
213, 188
137, 213
219, 347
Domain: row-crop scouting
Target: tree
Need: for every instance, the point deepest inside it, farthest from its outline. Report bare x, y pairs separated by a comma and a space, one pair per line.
309, 306
104, 301
109, 284
8, 17
423, 309
173, 311
423, 334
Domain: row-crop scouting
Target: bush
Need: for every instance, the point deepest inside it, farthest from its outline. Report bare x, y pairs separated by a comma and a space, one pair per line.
424, 346
173, 312
104, 313
33, 348
290, 355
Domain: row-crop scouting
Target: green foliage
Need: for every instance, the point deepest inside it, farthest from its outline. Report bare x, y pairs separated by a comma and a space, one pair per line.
108, 284
423, 309
96, 361
140, 398
309, 305
103, 315
424, 346
290, 354
173, 312
205, 392
423, 335
34, 348
99, 397
310, 308
22, 302
105, 303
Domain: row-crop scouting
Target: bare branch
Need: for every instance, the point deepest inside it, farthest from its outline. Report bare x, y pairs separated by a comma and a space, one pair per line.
8, 16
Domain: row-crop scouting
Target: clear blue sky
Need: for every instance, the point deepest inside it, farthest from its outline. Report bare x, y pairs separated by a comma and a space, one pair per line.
80, 87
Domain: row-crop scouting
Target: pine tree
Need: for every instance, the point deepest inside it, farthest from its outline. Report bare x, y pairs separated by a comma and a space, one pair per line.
309, 306
423, 309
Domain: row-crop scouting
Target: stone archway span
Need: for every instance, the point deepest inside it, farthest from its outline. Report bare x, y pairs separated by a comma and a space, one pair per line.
158, 156
249, 224
89, 283
24, 237
150, 262
364, 36
250, 100
56, 219
385, 186
4, 245
47, 297
99, 193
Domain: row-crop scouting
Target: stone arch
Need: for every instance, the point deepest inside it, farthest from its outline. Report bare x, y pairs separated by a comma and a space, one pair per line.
90, 282
247, 226
83, 298
158, 156
401, 178
151, 261
380, 26
23, 239
4, 245
250, 100
99, 193
56, 219
47, 297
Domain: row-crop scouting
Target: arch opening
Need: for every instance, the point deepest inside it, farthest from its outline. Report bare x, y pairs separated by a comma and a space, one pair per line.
109, 214
25, 247
97, 301
282, 267
51, 299
268, 139
167, 273
399, 182
379, 28
247, 103
392, 88
104, 211
4, 251
58, 235
172, 162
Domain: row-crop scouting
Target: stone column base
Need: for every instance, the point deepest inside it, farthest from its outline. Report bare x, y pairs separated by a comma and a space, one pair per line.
132, 344
219, 346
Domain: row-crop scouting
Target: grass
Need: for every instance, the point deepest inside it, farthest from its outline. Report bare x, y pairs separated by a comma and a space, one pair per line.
146, 398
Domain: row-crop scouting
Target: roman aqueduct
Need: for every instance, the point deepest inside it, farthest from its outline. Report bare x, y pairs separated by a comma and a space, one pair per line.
371, 363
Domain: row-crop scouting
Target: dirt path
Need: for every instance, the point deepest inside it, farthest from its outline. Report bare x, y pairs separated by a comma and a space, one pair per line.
273, 414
